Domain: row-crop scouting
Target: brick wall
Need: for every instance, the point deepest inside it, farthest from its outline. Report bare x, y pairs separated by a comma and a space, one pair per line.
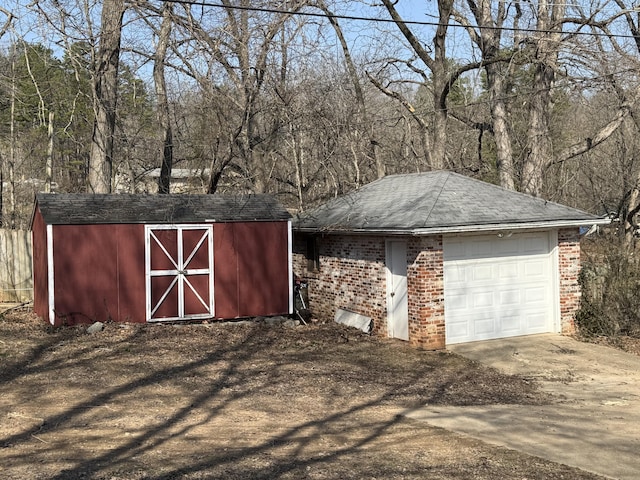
569, 268
425, 284
352, 276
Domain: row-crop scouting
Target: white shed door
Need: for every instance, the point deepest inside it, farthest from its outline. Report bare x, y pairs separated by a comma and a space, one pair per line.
496, 287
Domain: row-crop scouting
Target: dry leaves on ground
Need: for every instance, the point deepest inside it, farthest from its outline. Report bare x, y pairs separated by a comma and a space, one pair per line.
241, 400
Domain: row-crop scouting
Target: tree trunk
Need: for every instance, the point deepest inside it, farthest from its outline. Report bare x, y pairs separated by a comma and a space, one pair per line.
1, 190
49, 167
491, 19
105, 88
631, 211
440, 87
12, 149
499, 121
540, 150
163, 113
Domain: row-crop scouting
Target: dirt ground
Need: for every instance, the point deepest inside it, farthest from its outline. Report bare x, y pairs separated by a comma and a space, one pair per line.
242, 400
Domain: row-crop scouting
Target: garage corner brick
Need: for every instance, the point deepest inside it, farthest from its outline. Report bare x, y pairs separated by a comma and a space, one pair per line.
569, 266
425, 286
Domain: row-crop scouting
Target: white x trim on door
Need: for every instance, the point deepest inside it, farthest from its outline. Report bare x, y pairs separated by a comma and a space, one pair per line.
181, 275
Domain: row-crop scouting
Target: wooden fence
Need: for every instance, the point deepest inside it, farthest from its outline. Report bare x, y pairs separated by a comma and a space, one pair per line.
16, 275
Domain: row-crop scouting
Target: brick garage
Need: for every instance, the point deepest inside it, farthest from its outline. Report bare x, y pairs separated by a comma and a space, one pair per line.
422, 257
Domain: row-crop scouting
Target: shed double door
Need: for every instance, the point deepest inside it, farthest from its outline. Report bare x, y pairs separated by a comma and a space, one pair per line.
179, 272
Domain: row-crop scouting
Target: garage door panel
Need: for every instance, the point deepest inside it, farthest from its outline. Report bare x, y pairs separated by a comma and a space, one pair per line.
510, 323
458, 274
506, 247
484, 325
536, 322
536, 245
480, 273
492, 246
465, 250
458, 301
460, 327
498, 287
509, 297
482, 299
480, 249
536, 295
480, 322
535, 268
507, 271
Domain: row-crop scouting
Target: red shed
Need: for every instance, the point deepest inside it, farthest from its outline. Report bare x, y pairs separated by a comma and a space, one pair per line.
150, 258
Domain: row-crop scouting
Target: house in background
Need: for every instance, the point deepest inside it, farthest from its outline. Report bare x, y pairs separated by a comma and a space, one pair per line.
151, 258
438, 258
183, 180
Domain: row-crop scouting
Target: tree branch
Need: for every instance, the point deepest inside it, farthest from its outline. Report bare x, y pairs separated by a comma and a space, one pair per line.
603, 134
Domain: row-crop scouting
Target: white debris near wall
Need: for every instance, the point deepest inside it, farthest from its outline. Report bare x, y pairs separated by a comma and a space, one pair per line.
352, 319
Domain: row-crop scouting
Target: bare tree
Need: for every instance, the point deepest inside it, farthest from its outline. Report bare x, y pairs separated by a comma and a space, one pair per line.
547, 41
105, 89
236, 47
162, 111
486, 33
439, 77
12, 147
5, 27
362, 114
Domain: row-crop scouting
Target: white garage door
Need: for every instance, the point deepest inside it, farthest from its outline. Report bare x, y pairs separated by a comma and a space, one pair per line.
497, 287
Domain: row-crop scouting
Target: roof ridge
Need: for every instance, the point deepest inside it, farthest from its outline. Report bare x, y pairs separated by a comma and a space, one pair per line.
435, 202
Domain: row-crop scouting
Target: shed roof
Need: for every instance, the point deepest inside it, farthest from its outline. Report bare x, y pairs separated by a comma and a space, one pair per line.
437, 202
81, 209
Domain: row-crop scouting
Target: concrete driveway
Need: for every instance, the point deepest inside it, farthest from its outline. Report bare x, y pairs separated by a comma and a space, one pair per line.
592, 422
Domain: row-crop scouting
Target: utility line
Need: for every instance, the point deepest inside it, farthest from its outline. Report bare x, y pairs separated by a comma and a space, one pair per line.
203, 3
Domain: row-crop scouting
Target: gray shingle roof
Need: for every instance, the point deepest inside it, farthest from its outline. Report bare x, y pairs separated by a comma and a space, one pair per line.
79, 209
437, 202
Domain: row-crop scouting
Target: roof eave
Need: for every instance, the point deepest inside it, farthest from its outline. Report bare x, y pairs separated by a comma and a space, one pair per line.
453, 229
541, 225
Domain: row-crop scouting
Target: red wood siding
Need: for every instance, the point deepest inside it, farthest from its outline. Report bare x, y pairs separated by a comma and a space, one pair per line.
98, 273
131, 274
251, 270
40, 271
225, 271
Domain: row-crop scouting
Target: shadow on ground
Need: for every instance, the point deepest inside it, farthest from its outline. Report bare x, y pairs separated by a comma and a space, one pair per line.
243, 400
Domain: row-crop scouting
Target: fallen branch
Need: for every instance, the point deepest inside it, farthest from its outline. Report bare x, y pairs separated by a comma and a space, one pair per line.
16, 307
38, 438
